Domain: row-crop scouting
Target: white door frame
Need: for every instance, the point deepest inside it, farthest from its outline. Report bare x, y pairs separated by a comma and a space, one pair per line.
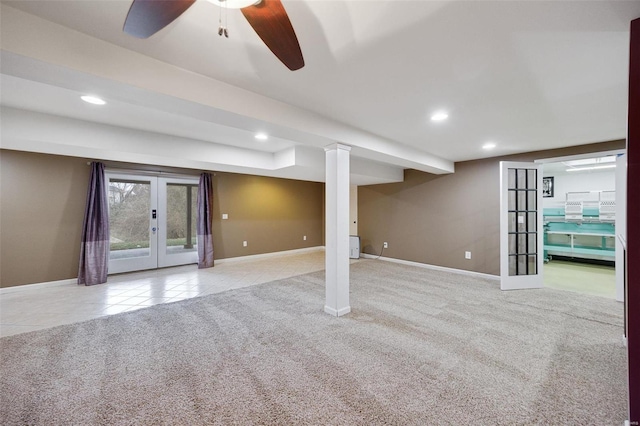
142, 262
515, 282
174, 259
158, 256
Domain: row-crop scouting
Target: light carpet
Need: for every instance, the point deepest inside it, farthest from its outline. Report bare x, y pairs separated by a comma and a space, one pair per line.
421, 347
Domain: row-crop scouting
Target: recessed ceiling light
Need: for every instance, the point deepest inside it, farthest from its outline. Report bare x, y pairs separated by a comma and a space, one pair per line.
261, 136
439, 116
489, 145
93, 100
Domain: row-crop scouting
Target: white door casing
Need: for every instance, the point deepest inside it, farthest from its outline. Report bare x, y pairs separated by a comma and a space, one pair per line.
138, 195
149, 249
521, 226
173, 255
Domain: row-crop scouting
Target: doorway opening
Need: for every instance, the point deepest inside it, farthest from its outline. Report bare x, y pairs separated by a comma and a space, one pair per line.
580, 221
152, 221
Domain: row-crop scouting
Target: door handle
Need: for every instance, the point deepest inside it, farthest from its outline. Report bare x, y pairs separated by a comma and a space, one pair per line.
153, 230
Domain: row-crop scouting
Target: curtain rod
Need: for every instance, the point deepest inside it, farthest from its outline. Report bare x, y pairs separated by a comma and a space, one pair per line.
150, 172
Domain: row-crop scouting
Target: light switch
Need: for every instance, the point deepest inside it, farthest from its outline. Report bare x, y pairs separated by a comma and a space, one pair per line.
225, 216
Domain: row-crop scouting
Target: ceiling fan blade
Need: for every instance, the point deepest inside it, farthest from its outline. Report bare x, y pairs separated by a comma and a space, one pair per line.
147, 17
271, 22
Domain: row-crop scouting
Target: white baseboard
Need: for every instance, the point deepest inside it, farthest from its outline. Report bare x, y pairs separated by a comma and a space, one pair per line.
58, 283
268, 255
69, 281
272, 254
434, 267
337, 313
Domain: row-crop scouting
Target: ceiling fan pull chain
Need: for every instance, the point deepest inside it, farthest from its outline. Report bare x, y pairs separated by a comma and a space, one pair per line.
222, 29
226, 19
220, 22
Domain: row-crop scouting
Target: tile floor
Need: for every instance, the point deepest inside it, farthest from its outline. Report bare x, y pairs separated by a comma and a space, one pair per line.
38, 308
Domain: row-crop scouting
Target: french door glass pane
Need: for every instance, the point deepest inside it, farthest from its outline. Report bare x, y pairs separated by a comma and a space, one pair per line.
522, 200
533, 197
532, 222
511, 184
129, 206
522, 221
181, 218
512, 200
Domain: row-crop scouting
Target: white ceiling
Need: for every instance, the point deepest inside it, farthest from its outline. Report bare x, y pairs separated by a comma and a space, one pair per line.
526, 75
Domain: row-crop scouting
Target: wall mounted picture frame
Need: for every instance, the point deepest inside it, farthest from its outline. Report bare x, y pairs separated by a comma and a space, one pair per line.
547, 187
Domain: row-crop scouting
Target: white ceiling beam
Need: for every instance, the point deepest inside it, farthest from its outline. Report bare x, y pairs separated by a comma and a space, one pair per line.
32, 37
49, 134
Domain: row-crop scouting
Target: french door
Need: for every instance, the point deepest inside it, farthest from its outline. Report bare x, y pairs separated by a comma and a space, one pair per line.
521, 229
152, 221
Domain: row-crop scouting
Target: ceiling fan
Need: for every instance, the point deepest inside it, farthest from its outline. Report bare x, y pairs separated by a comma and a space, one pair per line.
267, 17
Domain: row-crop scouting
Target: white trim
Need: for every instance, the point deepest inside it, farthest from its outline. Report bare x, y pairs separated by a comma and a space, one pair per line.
267, 255
58, 283
580, 156
164, 258
337, 313
519, 282
434, 267
69, 281
335, 146
138, 263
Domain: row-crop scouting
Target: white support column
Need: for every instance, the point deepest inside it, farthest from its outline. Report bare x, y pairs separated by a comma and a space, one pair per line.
337, 229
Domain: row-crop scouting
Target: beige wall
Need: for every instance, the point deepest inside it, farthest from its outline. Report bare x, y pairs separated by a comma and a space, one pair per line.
427, 218
270, 214
42, 200
353, 210
434, 219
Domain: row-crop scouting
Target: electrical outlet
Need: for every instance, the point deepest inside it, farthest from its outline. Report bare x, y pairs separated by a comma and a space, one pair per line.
467, 255
385, 245
304, 238
244, 244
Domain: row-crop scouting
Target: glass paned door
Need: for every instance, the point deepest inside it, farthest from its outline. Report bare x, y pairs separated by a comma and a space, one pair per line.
132, 226
178, 198
152, 222
521, 230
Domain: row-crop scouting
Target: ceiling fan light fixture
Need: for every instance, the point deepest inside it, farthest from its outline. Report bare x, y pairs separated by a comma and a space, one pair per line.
268, 19
234, 4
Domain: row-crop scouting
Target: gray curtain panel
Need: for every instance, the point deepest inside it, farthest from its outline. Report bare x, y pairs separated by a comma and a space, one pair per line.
205, 218
94, 251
